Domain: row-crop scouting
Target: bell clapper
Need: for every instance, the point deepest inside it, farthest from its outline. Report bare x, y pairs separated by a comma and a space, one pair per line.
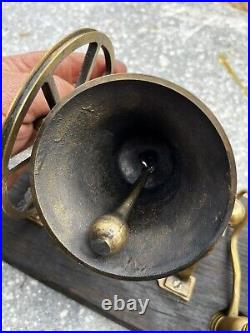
109, 232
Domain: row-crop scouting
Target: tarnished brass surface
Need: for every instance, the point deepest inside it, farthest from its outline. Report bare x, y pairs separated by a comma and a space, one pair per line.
108, 234
41, 77
114, 118
238, 215
221, 322
84, 161
181, 284
231, 319
182, 288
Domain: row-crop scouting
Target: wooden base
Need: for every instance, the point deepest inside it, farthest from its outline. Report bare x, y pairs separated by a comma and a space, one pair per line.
29, 248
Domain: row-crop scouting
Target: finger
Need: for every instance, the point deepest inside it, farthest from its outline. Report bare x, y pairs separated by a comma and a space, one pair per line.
68, 70
70, 67
39, 107
22, 63
12, 82
100, 67
24, 136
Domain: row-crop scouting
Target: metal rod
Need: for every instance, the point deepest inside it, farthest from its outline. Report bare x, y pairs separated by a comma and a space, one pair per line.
127, 205
109, 232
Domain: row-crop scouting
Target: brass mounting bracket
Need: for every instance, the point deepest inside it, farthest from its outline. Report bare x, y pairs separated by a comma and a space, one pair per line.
177, 286
182, 284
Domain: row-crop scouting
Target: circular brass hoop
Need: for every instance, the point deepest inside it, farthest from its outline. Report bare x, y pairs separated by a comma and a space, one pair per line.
41, 73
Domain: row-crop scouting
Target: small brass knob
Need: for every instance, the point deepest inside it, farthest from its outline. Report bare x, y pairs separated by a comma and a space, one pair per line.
238, 214
223, 322
109, 232
232, 321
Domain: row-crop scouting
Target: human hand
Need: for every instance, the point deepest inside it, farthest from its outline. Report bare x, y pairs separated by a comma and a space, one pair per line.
16, 70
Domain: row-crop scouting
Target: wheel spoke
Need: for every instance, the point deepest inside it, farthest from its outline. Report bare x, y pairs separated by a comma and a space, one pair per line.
88, 63
19, 160
50, 92
11, 167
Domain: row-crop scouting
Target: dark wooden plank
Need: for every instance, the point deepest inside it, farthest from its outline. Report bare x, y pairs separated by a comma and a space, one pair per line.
30, 249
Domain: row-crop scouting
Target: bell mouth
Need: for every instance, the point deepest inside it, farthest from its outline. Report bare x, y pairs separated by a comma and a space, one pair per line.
144, 149
144, 145
86, 157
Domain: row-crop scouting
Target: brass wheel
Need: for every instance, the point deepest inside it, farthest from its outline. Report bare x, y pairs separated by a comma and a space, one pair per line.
42, 77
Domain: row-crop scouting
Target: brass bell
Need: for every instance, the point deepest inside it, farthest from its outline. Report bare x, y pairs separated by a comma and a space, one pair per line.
88, 156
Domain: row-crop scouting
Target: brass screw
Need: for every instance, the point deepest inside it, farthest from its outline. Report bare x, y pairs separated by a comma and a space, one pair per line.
177, 284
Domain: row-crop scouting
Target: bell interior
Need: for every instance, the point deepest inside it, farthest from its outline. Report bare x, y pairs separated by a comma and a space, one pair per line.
88, 154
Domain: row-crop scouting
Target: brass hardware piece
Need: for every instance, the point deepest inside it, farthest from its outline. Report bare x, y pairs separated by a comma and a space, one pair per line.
238, 215
34, 217
109, 232
231, 320
177, 286
222, 322
181, 284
